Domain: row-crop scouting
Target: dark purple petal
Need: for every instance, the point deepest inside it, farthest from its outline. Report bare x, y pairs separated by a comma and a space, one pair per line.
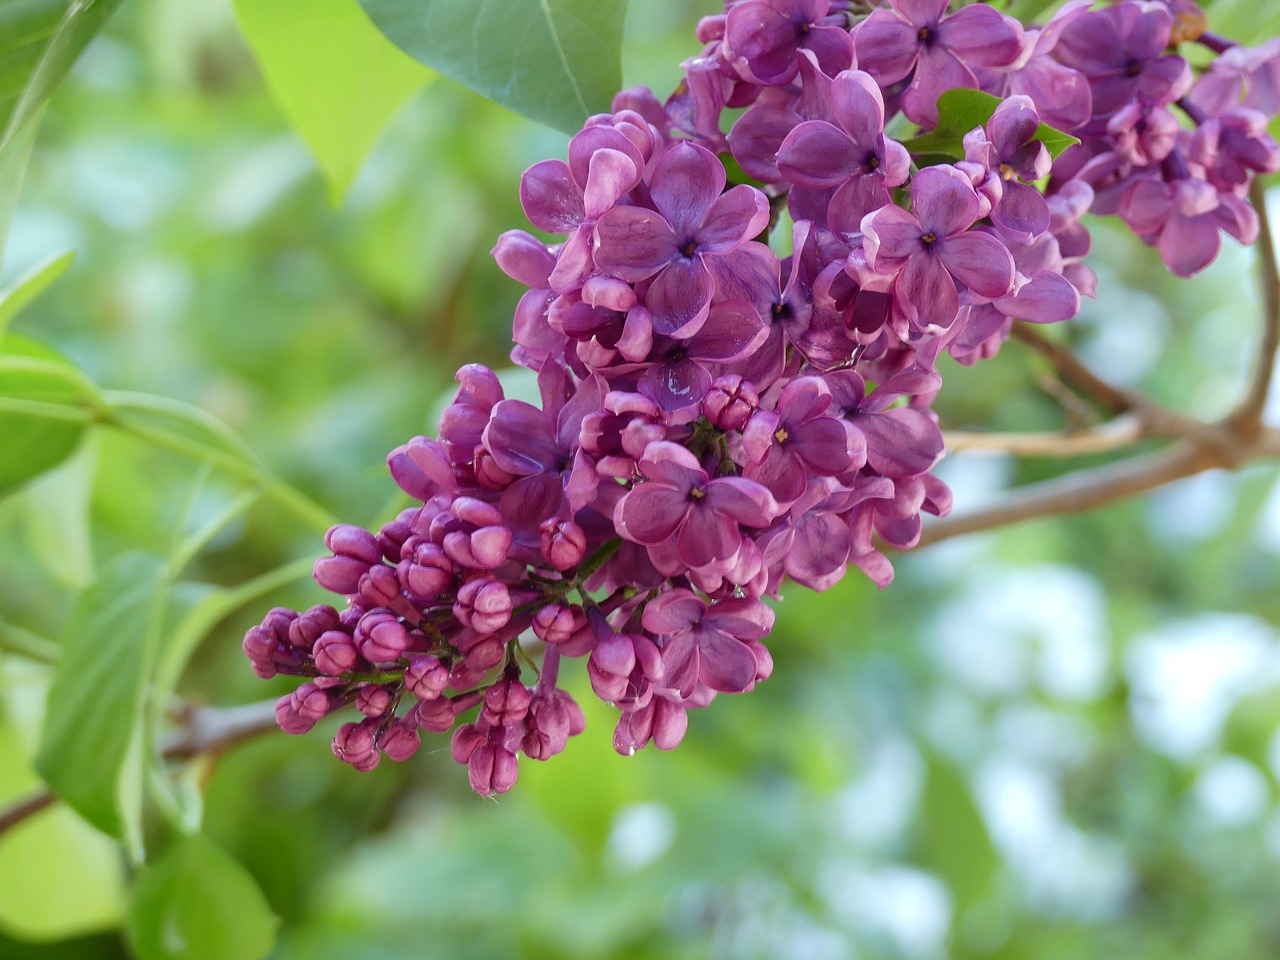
859, 107
1046, 298
520, 439
943, 200
685, 184
887, 46
674, 611
892, 236
706, 536
818, 154
652, 513
734, 218
726, 663
938, 71
981, 35
823, 445
745, 502
979, 261
925, 289
633, 243
733, 330
551, 200
679, 297
1022, 211
902, 442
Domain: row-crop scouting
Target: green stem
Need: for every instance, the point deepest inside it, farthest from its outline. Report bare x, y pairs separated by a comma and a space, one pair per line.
47, 411
24, 643
282, 493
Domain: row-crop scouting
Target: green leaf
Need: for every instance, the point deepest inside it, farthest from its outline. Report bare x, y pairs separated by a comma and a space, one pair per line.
556, 61
337, 78
954, 842
59, 877
13, 167
198, 903
39, 41
30, 371
95, 702
31, 284
959, 111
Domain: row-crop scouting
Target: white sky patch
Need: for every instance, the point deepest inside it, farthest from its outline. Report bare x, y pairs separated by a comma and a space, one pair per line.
874, 810
1188, 675
641, 833
1010, 628
1232, 792
909, 908
1062, 869
1194, 509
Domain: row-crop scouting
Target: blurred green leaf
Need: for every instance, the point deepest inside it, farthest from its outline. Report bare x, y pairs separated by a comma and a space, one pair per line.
40, 40
31, 372
95, 702
960, 111
198, 903
57, 518
58, 876
953, 840
31, 284
13, 168
338, 79
556, 61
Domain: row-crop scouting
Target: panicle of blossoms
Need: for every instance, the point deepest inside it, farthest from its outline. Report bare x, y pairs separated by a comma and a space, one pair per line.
715, 417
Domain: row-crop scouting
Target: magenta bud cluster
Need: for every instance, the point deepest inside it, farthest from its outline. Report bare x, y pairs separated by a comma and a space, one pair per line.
736, 372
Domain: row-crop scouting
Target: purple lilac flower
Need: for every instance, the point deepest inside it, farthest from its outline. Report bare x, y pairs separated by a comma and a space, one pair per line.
916, 35
762, 38
693, 225
932, 249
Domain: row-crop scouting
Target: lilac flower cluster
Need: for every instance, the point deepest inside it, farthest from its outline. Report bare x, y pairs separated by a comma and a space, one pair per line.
716, 417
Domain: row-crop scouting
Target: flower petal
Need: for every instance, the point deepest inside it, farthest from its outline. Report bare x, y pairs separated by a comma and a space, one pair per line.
652, 513
679, 297
979, 261
685, 184
633, 243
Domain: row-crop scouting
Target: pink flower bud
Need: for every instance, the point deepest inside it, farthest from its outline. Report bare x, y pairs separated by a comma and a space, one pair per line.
379, 587
346, 540
426, 573
484, 605
557, 622
730, 402
373, 700
426, 678
335, 653
563, 543
492, 769
401, 741
382, 637
354, 744
506, 703
466, 739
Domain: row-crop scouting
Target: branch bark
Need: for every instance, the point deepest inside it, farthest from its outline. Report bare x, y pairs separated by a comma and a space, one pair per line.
202, 730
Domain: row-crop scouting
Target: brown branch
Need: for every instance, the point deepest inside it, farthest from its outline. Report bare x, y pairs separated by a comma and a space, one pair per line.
203, 730
1124, 431
1098, 486
1246, 419
1073, 371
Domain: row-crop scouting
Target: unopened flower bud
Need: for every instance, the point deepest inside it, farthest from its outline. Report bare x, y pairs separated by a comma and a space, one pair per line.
426, 678
373, 700
401, 741
335, 653
379, 587
354, 744
730, 402
484, 605
492, 769
563, 543
556, 622
381, 636
506, 703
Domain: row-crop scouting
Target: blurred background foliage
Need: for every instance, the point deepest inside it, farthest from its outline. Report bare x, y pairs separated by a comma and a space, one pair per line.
1058, 740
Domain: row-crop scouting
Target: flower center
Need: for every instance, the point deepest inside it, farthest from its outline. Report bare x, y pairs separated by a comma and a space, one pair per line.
696, 493
1006, 172
872, 162
689, 249
929, 239
926, 36
781, 435
1133, 68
